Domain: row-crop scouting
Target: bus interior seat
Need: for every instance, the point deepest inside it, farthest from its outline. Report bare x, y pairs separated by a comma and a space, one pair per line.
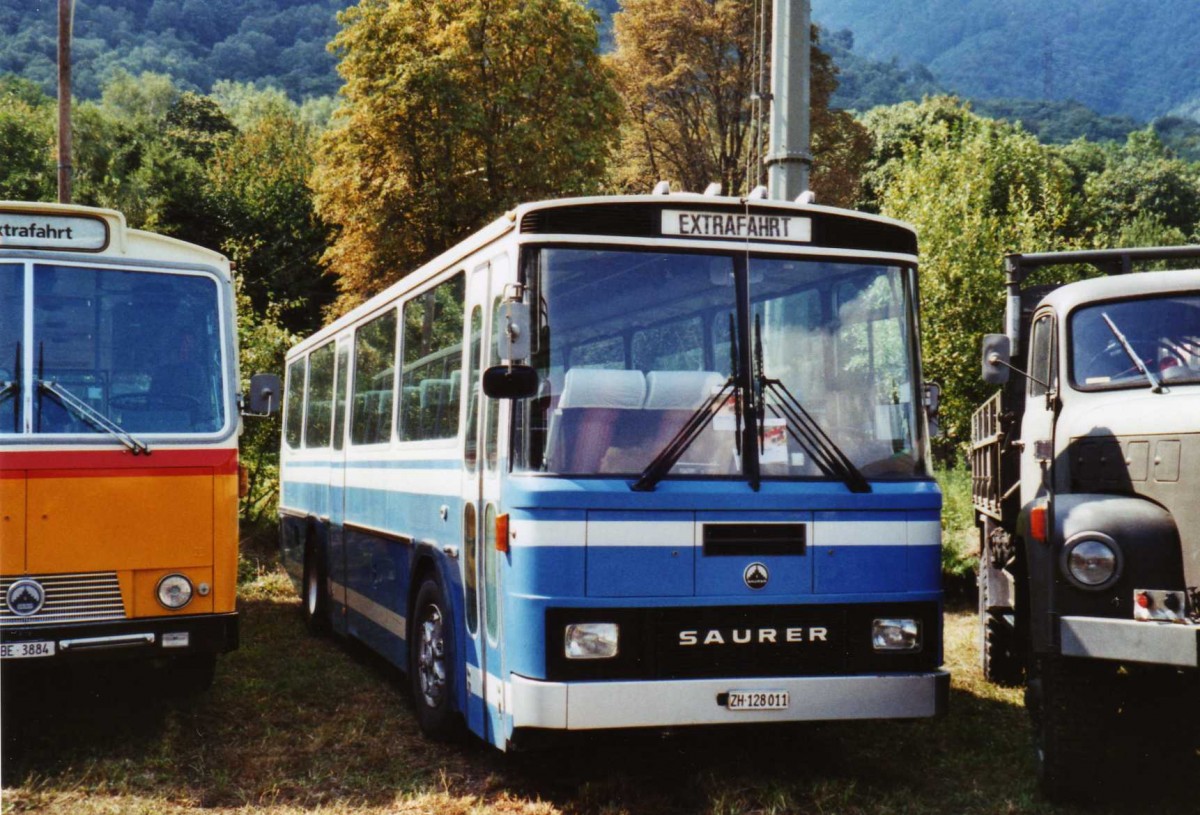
593, 403
674, 396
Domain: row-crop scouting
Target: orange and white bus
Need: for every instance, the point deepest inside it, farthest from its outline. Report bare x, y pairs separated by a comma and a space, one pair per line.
119, 421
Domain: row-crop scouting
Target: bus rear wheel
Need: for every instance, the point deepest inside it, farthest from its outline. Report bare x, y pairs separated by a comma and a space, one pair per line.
430, 662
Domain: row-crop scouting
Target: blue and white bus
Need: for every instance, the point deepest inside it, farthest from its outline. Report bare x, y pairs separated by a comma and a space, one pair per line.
700, 491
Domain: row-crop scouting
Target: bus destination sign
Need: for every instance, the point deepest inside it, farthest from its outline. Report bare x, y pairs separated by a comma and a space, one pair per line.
752, 226
40, 230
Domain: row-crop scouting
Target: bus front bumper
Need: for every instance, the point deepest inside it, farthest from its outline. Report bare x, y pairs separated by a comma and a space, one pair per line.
673, 703
144, 638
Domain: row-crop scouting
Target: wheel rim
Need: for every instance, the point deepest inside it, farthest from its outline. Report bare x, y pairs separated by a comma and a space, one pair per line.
311, 593
431, 657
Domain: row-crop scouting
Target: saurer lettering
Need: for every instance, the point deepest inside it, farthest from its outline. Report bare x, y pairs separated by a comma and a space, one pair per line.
746, 636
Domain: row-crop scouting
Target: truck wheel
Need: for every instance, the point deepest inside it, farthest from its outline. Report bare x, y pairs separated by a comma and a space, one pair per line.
1074, 704
431, 662
999, 652
314, 599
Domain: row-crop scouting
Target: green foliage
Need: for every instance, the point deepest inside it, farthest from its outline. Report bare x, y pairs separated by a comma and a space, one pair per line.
277, 42
975, 189
960, 539
27, 139
453, 112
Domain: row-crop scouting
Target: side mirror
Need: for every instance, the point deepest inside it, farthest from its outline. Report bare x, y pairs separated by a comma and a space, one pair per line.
513, 331
265, 390
933, 398
933, 402
996, 352
510, 381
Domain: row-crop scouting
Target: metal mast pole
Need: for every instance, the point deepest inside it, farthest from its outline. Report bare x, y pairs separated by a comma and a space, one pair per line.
66, 10
789, 159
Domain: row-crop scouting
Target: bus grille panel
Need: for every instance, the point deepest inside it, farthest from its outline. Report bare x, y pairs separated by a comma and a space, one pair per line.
70, 598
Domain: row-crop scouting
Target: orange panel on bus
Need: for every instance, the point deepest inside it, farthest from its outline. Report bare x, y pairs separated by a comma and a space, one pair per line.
12, 522
105, 520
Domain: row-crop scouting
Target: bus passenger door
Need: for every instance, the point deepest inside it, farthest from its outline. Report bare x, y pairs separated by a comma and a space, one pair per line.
474, 671
335, 570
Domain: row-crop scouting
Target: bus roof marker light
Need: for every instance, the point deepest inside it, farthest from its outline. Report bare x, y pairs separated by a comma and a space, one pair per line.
662, 188
759, 193
712, 190
806, 197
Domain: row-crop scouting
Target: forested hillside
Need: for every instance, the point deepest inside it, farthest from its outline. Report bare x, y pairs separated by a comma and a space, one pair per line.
197, 42
1137, 58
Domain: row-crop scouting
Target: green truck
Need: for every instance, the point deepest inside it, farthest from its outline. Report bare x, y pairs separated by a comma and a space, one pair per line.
1086, 487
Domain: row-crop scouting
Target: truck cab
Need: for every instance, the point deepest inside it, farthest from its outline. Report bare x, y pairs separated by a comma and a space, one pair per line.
1086, 476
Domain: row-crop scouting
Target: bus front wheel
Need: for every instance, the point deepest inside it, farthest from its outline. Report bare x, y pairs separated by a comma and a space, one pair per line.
430, 662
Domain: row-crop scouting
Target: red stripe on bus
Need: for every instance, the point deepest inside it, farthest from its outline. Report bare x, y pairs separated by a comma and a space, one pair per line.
116, 463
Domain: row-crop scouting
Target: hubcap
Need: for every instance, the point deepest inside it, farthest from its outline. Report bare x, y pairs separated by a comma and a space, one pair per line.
431, 657
310, 596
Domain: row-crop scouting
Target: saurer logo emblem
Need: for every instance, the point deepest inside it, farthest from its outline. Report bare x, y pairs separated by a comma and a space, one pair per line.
25, 598
756, 575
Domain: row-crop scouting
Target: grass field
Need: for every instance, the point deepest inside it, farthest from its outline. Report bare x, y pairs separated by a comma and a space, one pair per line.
296, 725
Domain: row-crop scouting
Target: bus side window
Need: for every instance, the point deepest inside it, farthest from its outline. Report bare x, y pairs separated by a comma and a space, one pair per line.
432, 376
471, 450
293, 420
492, 406
318, 403
374, 380
339, 397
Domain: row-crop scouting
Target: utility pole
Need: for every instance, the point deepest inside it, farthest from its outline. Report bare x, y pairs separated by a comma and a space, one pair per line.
788, 159
66, 12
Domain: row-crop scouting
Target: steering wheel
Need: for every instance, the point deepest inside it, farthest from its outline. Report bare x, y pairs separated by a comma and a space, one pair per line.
154, 401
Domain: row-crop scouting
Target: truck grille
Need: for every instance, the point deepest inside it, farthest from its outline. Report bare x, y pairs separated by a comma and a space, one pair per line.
70, 598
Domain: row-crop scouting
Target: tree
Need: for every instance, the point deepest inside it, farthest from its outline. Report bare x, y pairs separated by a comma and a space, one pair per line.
258, 183
975, 189
27, 140
454, 111
687, 70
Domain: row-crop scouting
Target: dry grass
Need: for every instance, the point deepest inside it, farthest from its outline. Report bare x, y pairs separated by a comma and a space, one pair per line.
301, 725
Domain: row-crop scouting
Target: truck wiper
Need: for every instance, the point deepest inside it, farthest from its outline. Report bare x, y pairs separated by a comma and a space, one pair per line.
1155, 384
800, 425
657, 469
93, 417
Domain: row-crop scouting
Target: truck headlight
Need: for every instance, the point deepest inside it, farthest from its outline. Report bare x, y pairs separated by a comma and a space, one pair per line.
896, 634
174, 591
1091, 560
591, 640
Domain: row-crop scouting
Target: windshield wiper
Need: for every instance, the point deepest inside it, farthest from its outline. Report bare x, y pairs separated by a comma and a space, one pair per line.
93, 417
1156, 385
800, 425
657, 469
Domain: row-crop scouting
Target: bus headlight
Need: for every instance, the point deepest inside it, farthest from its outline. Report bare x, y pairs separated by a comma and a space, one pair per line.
174, 591
896, 635
591, 640
1091, 560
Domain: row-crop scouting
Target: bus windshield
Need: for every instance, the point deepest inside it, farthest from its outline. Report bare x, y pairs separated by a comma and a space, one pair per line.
138, 350
631, 343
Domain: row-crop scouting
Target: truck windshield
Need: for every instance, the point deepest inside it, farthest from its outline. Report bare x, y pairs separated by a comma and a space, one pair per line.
1164, 333
142, 350
630, 344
